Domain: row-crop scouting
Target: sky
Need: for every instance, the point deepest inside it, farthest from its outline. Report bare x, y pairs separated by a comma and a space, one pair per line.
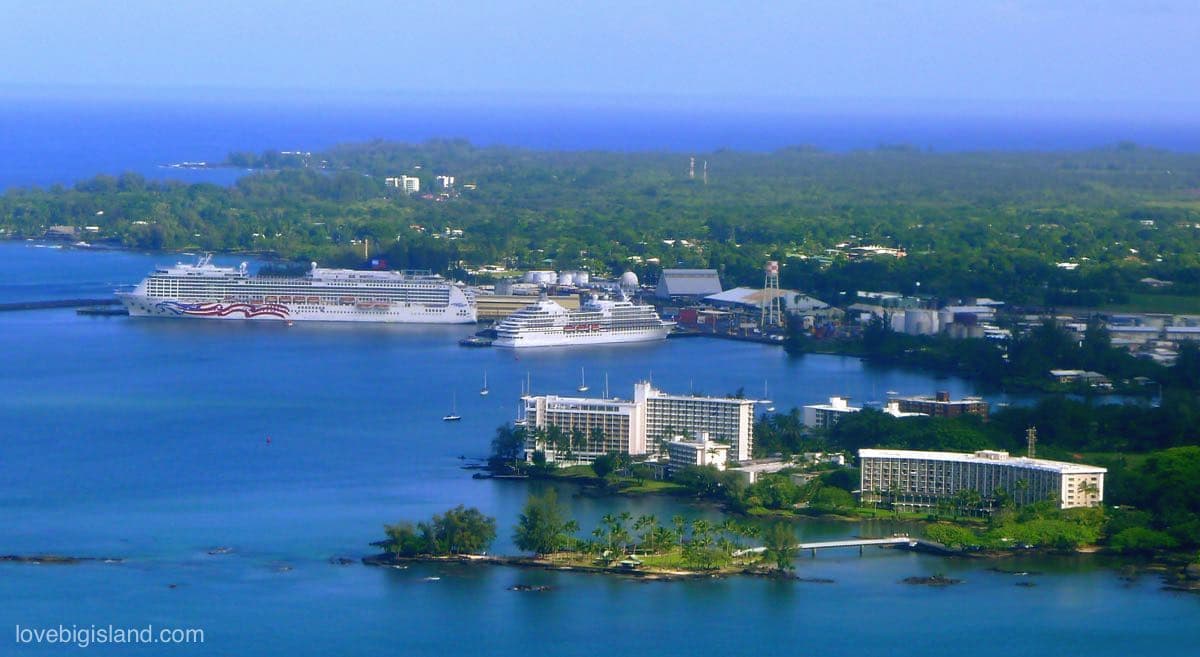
1143, 56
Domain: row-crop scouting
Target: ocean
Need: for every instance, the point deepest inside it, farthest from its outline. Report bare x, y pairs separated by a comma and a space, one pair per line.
145, 439
45, 141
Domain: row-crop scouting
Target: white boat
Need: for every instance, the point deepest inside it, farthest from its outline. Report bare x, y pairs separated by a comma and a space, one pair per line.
600, 321
453, 416
767, 398
583, 386
483, 392
206, 291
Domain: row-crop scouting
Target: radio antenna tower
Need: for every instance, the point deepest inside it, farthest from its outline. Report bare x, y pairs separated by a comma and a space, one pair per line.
772, 305
1031, 441
692, 168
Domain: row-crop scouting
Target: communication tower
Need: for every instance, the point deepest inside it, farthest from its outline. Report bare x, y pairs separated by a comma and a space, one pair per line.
1031, 441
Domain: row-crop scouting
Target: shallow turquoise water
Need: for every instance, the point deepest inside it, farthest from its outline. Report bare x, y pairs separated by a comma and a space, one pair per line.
146, 439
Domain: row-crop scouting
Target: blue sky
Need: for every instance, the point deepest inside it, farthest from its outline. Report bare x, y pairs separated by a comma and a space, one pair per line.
1143, 55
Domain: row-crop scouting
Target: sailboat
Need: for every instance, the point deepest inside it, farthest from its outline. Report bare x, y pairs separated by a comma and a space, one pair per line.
453, 416
484, 390
767, 398
583, 386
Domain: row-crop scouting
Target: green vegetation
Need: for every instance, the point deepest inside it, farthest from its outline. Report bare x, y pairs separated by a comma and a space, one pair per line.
973, 224
457, 531
1040, 525
542, 527
1022, 363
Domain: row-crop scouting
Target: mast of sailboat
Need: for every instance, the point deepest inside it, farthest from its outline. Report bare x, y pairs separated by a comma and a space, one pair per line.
606, 385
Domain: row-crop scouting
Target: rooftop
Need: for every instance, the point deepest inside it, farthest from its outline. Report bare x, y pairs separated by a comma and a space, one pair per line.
984, 456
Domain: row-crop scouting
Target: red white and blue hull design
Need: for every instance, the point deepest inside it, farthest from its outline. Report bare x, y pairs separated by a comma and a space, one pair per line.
205, 291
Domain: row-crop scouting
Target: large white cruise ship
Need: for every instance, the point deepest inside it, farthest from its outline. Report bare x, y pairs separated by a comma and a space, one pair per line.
206, 291
547, 324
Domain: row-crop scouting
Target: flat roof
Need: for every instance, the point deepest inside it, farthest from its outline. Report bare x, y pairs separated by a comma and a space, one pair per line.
960, 457
768, 467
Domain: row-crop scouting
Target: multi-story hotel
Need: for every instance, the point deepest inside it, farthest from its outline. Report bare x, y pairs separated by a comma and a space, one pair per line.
915, 479
823, 416
637, 426
943, 406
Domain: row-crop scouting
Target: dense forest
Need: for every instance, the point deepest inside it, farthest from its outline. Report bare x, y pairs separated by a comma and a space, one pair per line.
973, 224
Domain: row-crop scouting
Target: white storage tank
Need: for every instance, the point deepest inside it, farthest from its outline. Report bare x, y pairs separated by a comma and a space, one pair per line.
629, 280
541, 277
920, 322
565, 278
582, 278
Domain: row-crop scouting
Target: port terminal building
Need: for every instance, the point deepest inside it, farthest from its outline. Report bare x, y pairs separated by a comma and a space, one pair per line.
639, 426
920, 480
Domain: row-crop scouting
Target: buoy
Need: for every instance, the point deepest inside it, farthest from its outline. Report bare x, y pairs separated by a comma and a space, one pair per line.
268, 440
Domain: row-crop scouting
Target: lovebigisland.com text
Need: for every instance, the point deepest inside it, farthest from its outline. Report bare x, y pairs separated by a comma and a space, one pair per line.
90, 635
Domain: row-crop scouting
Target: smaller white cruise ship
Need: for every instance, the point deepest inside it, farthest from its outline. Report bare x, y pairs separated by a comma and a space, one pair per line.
599, 321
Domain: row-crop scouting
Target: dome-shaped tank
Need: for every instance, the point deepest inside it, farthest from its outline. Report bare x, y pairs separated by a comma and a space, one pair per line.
629, 280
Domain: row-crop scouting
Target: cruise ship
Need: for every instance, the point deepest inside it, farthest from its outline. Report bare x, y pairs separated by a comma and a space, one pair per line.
599, 321
207, 291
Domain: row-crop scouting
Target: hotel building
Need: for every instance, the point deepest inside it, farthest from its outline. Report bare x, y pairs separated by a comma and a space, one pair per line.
682, 453
638, 426
919, 480
943, 406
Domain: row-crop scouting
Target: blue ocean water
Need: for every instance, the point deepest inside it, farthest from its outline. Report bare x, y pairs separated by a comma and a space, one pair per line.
146, 439
60, 141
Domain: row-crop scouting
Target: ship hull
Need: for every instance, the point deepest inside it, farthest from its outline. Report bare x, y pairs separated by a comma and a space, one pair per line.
396, 313
561, 339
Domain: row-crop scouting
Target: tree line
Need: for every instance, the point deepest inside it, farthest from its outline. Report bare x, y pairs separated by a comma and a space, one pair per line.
973, 224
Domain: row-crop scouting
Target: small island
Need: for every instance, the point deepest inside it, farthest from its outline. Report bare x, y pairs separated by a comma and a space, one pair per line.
639, 547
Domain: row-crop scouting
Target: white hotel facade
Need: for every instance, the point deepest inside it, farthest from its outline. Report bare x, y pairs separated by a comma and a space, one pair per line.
638, 426
918, 480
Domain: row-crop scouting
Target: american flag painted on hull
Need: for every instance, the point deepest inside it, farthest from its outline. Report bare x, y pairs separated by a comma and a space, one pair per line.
247, 310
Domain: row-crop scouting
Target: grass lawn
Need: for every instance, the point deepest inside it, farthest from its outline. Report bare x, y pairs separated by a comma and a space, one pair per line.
1177, 304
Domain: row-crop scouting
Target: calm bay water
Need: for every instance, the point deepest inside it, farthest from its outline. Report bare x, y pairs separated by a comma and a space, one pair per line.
146, 439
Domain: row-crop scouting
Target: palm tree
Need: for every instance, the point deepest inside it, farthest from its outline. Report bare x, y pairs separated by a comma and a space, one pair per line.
680, 524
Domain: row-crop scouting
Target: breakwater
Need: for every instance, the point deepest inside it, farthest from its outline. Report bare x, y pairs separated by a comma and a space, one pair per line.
57, 303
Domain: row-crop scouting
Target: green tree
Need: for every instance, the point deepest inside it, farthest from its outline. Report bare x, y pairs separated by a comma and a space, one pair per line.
780, 541
543, 526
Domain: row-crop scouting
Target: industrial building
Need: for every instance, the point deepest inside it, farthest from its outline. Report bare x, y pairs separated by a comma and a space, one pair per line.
687, 283
920, 480
636, 426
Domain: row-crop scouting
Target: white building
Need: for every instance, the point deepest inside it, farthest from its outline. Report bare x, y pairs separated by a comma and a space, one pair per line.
410, 184
823, 416
639, 426
594, 427
916, 479
682, 453
444, 182
726, 419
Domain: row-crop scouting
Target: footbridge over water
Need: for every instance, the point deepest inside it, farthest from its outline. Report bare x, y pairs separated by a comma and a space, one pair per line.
906, 542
